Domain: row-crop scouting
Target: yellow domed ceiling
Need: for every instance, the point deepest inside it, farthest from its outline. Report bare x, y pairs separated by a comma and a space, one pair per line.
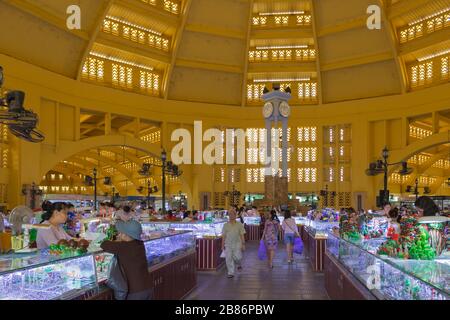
226, 51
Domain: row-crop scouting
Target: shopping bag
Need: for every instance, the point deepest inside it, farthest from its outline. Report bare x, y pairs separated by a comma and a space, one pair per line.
117, 280
262, 252
298, 245
223, 254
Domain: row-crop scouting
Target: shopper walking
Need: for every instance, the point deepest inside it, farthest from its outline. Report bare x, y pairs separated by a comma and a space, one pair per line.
290, 232
233, 242
270, 235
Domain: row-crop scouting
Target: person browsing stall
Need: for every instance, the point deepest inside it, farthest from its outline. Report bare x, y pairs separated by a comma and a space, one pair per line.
130, 252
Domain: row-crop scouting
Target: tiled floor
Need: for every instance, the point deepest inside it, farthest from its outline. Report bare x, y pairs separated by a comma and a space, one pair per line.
256, 281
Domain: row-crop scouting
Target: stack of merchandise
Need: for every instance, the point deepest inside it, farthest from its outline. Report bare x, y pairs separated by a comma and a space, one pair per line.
412, 243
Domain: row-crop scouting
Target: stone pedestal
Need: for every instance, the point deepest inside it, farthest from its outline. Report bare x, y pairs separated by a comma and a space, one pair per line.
276, 190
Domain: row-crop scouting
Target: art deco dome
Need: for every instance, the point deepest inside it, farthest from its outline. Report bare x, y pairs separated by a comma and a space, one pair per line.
225, 51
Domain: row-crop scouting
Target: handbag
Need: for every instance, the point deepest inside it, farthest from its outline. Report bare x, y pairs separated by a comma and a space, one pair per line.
298, 246
117, 280
262, 251
223, 254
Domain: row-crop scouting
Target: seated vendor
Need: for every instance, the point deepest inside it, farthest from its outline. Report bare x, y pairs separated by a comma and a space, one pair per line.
55, 215
188, 216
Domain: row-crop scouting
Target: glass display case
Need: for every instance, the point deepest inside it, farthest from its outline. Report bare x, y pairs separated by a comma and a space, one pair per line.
160, 247
40, 276
200, 229
321, 229
253, 221
388, 278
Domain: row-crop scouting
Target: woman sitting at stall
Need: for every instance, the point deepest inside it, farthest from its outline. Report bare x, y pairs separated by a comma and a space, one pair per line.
55, 215
130, 253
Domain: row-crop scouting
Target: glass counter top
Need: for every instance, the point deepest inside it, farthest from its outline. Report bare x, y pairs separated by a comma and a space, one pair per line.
201, 229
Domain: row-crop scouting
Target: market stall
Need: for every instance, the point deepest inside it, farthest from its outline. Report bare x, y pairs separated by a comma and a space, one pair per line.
62, 273
208, 236
413, 266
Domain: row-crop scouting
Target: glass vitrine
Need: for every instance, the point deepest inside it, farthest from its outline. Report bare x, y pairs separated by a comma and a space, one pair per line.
321, 229
200, 229
40, 276
389, 278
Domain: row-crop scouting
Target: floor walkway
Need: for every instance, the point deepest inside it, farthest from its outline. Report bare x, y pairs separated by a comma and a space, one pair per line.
256, 281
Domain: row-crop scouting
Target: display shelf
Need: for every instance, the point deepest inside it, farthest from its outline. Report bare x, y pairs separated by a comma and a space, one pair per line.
398, 279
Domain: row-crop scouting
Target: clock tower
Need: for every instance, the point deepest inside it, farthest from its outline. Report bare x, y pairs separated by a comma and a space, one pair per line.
276, 110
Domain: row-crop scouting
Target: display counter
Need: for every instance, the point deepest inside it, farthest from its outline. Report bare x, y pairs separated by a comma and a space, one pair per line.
353, 270
40, 275
315, 235
253, 228
208, 239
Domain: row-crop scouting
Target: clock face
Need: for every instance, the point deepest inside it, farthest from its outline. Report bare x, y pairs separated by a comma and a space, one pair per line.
285, 109
267, 109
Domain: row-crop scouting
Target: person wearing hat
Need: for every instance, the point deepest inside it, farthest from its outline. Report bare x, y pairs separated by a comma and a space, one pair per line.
130, 252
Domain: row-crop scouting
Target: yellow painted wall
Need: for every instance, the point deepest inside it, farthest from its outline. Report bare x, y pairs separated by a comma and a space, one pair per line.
375, 122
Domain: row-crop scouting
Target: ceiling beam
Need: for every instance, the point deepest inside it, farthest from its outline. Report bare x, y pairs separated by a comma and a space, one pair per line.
425, 41
128, 174
285, 33
281, 66
209, 66
49, 17
403, 7
356, 23
176, 45
247, 48
97, 27
98, 125
357, 60
316, 47
150, 11
132, 47
219, 32
399, 63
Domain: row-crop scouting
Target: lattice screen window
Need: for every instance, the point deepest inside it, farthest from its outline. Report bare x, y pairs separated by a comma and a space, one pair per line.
419, 133
219, 174
171, 6
130, 166
149, 82
329, 174
307, 154
427, 180
442, 164
234, 175
422, 74
152, 137
307, 91
307, 134
308, 175
219, 200
254, 92
344, 173
255, 175
419, 159
122, 76
344, 199
433, 23
93, 69
445, 68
